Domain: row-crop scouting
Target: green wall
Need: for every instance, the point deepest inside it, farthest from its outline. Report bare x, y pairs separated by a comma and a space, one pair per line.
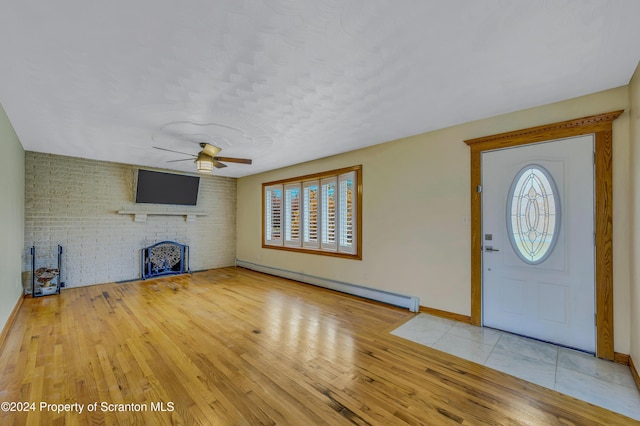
11, 217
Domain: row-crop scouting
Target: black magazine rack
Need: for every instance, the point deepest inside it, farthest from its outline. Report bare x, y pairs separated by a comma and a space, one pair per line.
45, 281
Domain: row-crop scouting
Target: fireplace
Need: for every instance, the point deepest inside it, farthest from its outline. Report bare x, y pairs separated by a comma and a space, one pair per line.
165, 258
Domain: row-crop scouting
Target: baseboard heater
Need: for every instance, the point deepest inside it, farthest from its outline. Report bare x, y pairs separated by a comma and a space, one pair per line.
410, 302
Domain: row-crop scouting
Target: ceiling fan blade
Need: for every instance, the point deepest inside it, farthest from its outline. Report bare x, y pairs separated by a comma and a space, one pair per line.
218, 165
184, 159
177, 152
233, 160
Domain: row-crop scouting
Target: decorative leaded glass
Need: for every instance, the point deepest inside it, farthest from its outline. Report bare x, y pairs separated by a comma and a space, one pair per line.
533, 214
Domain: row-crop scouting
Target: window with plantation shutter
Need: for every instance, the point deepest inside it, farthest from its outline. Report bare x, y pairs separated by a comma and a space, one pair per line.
329, 220
273, 215
346, 212
292, 207
319, 213
310, 214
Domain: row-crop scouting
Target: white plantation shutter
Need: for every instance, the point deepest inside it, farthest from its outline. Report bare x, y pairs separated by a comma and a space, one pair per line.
329, 219
292, 219
317, 213
311, 214
347, 212
273, 215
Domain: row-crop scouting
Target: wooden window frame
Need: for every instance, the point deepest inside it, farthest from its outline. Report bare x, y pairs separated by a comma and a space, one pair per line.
357, 255
601, 127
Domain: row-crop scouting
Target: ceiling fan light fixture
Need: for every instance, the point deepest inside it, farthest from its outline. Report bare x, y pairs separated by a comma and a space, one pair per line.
207, 159
204, 163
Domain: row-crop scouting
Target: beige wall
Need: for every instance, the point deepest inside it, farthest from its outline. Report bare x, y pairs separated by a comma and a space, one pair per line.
416, 232
634, 90
74, 202
11, 217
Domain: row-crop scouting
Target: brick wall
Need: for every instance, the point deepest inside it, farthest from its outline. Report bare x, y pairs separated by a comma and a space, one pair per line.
74, 202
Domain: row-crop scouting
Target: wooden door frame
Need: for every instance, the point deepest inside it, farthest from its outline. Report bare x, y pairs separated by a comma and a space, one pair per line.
601, 127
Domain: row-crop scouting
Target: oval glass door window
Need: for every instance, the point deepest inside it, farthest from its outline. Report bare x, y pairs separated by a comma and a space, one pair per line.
533, 214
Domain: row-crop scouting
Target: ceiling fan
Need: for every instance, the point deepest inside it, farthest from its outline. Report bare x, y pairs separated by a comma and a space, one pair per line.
208, 158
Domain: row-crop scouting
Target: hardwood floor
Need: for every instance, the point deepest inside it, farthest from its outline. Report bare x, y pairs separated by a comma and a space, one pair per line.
236, 347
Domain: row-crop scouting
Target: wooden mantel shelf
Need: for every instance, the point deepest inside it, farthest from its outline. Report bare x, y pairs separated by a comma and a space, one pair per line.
141, 216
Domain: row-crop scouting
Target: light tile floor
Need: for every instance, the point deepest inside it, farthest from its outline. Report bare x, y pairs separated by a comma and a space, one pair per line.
583, 376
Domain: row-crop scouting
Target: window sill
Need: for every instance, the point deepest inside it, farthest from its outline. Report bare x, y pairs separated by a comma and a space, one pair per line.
314, 251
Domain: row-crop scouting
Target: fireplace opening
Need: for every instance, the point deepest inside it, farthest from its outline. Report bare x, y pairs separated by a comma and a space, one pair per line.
165, 258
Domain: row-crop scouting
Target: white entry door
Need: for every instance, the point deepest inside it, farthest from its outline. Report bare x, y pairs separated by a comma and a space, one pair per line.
538, 243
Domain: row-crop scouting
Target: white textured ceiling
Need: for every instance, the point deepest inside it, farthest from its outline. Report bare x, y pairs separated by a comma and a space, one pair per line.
286, 81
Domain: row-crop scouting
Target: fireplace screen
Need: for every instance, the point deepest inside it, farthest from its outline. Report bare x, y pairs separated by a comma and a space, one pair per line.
165, 258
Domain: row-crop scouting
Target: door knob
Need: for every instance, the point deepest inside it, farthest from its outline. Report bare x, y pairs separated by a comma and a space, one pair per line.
489, 248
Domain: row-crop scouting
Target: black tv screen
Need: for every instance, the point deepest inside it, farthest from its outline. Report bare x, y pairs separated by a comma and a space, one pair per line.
166, 188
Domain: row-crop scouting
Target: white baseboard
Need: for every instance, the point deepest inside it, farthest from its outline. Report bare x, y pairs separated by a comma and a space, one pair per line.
410, 302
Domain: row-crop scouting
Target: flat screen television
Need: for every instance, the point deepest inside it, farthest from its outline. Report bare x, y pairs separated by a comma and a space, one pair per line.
166, 188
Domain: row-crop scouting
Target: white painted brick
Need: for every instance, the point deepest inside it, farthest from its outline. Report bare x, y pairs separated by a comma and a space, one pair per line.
74, 202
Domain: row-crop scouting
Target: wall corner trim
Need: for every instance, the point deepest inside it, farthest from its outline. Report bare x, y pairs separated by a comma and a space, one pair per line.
634, 372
